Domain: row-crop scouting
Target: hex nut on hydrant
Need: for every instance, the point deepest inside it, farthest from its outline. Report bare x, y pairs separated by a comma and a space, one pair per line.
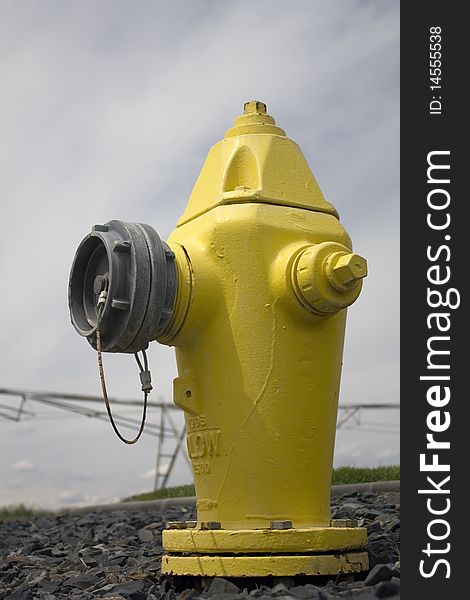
345, 270
251, 289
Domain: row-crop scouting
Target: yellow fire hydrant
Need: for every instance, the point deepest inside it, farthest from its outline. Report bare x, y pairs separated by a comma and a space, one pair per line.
264, 271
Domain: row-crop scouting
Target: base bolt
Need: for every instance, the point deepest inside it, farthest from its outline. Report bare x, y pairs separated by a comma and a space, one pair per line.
343, 523
211, 525
281, 524
176, 525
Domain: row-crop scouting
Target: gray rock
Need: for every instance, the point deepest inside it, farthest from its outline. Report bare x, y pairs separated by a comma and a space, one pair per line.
23, 592
222, 586
145, 535
82, 582
280, 589
49, 586
374, 527
301, 591
132, 590
372, 514
367, 594
385, 589
380, 573
187, 595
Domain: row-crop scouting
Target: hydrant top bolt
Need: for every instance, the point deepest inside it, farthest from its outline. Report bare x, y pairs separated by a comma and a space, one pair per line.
254, 119
254, 107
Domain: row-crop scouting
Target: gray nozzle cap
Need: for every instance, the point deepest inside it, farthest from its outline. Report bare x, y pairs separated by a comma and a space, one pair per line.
138, 271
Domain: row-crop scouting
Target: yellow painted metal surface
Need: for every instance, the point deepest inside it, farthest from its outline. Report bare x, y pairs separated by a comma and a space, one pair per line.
255, 162
264, 566
246, 541
259, 330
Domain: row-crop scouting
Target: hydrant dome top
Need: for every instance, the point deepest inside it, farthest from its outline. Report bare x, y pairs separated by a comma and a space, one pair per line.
255, 162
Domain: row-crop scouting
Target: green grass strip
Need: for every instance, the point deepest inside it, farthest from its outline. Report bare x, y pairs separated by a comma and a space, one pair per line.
21, 512
341, 475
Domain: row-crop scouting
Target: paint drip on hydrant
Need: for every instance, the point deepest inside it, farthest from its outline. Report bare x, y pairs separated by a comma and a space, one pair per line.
251, 289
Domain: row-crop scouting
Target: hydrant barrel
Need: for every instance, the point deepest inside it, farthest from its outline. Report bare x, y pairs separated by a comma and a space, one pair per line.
260, 373
259, 352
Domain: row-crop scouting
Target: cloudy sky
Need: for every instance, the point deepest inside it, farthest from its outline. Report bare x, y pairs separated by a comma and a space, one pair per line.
108, 111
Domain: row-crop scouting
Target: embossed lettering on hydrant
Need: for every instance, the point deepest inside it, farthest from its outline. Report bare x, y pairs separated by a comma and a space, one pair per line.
203, 444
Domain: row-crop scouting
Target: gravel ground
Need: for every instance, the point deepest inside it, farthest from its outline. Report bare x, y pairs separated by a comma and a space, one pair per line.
117, 555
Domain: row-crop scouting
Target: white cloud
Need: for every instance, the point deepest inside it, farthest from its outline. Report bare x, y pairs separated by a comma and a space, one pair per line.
67, 495
347, 454
75, 498
389, 456
23, 465
149, 474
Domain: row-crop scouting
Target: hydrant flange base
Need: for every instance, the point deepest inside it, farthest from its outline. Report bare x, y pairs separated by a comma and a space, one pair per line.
265, 566
247, 541
265, 552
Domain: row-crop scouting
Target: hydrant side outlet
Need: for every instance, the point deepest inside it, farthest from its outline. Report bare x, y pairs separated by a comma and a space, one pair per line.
139, 273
